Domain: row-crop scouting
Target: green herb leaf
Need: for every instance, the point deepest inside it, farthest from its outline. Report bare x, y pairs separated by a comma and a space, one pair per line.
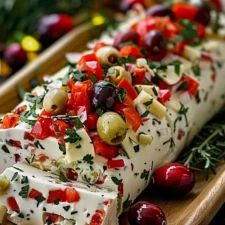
73, 137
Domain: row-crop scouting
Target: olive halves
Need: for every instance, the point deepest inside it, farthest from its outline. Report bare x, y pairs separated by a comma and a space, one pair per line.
111, 128
55, 101
104, 95
155, 42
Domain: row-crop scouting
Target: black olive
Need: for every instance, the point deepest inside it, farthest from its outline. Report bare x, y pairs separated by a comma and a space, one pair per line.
161, 11
155, 42
126, 36
104, 95
203, 15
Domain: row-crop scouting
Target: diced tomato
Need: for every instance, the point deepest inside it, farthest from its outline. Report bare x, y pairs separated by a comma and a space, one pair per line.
97, 218
71, 174
201, 31
79, 100
41, 129
99, 45
13, 205
139, 75
192, 85
103, 149
10, 120
130, 51
185, 11
71, 195
55, 196
34, 194
126, 85
91, 121
91, 66
132, 118
42, 157
207, 56
111, 164
164, 96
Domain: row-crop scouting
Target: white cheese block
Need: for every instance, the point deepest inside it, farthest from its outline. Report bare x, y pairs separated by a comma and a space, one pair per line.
73, 210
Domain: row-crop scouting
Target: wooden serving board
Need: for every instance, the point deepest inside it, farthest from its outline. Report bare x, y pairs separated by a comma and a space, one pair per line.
197, 208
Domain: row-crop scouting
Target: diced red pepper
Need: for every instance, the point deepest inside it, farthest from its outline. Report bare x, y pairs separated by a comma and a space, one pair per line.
91, 66
15, 143
111, 164
91, 121
79, 99
201, 31
71, 174
17, 157
130, 51
120, 188
97, 218
179, 47
58, 128
164, 96
132, 118
28, 136
139, 75
52, 218
34, 194
163, 85
10, 120
13, 205
103, 149
41, 129
20, 109
126, 85
55, 196
192, 85
185, 11
71, 195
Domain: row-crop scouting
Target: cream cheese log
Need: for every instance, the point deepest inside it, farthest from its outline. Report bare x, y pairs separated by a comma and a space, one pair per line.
67, 142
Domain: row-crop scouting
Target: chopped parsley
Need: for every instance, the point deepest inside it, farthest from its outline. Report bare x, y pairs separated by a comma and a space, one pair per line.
73, 137
196, 70
5, 149
121, 94
88, 159
116, 180
145, 175
24, 191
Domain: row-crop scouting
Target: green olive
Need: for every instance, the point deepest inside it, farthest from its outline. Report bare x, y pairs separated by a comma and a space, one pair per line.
117, 73
55, 101
111, 128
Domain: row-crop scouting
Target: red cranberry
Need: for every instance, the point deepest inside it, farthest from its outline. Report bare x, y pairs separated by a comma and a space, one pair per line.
203, 15
51, 27
145, 213
160, 10
128, 4
126, 36
15, 56
173, 179
155, 42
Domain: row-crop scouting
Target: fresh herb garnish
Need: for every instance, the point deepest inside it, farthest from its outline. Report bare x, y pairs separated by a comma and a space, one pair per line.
116, 180
183, 111
72, 136
189, 30
121, 94
196, 70
88, 159
124, 60
24, 191
207, 148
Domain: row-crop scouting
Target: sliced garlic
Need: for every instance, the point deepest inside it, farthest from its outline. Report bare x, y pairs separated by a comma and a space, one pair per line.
191, 53
152, 90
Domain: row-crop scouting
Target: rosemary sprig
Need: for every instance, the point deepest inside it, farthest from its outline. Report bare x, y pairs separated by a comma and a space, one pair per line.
207, 148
